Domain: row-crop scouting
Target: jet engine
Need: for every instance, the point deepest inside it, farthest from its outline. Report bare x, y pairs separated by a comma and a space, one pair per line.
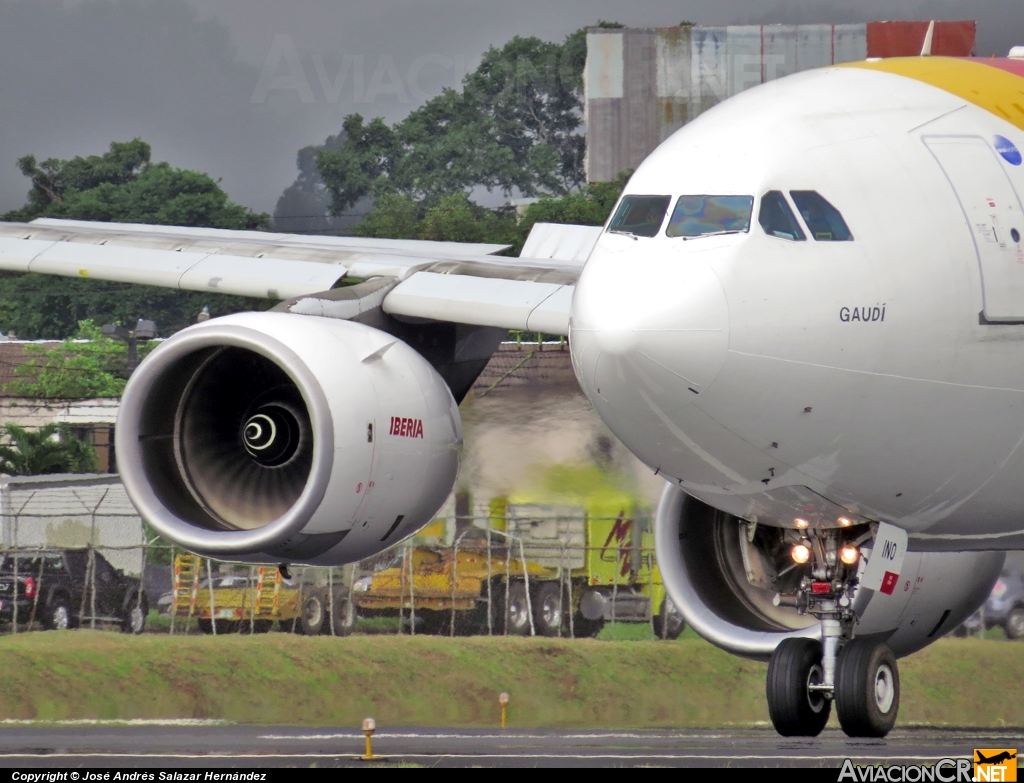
273, 437
738, 584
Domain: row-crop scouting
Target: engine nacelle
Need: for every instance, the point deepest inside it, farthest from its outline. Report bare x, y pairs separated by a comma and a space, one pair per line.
272, 437
707, 564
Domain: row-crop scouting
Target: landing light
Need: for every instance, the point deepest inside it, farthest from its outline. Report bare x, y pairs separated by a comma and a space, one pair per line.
801, 523
849, 554
845, 521
800, 553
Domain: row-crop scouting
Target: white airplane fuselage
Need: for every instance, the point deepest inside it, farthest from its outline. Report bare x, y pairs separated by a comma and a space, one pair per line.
880, 378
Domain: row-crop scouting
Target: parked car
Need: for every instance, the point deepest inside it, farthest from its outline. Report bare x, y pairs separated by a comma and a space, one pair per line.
53, 590
1004, 608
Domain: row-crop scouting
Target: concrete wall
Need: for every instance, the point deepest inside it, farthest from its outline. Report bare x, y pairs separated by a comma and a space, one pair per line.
72, 511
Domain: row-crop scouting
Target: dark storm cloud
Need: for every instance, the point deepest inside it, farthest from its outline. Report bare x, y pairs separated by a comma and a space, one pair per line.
186, 74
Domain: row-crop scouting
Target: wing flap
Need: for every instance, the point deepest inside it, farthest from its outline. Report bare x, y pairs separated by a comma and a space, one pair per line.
16, 254
273, 278
552, 315
126, 264
482, 301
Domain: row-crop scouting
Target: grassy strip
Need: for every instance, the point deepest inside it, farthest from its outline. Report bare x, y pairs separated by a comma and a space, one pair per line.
284, 679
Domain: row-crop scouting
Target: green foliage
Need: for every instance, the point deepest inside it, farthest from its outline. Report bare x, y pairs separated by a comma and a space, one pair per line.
590, 207
50, 449
89, 365
455, 218
394, 217
122, 185
514, 126
362, 165
39, 306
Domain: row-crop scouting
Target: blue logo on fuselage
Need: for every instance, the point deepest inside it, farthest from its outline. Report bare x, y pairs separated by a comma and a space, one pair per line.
1008, 150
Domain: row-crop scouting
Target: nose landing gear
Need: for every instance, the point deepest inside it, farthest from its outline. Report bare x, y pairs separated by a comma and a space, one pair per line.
806, 676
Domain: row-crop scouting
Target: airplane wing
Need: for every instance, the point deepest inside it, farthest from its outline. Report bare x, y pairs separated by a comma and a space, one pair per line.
444, 281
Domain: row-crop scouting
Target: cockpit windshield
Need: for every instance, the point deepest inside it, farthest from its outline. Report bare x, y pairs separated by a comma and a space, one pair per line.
699, 216
823, 220
640, 216
777, 219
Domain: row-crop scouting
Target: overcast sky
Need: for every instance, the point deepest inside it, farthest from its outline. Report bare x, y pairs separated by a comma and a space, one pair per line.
194, 77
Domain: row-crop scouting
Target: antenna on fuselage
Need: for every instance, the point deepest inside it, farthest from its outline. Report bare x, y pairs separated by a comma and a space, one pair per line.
926, 47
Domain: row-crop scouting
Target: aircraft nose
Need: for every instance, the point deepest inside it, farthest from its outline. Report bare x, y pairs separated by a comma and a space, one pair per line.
664, 339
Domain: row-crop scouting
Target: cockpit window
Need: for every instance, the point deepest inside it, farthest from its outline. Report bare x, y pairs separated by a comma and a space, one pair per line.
823, 220
640, 216
700, 216
777, 219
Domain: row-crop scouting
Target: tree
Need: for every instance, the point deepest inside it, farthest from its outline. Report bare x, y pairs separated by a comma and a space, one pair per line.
514, 127
591, 206
393, 217
122, 185
455, 218
305, 206
90, 365
50, 449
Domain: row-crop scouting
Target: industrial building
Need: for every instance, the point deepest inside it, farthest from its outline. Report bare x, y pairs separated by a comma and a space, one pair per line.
643, 84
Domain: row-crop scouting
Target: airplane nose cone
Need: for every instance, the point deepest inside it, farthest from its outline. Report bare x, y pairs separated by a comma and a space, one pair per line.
660, 340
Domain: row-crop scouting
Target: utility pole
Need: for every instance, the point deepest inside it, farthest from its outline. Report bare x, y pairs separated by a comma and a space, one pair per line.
144, 330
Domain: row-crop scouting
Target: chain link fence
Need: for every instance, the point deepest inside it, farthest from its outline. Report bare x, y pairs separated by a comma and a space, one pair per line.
76, 555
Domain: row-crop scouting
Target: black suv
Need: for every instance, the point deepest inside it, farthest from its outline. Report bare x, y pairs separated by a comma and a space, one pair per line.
52, 590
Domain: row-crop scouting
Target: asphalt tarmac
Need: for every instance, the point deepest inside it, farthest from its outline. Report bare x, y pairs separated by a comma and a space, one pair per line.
184, 744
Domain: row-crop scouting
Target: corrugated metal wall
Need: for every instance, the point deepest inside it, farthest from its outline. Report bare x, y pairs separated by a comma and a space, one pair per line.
643, 84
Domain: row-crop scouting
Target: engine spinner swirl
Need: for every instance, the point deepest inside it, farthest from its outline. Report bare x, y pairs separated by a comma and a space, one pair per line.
271, 434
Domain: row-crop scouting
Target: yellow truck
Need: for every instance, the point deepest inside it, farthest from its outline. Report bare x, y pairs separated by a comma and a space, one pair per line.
234, 603
552, 571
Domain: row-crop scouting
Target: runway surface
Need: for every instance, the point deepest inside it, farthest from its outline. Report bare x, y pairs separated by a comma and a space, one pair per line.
183, 744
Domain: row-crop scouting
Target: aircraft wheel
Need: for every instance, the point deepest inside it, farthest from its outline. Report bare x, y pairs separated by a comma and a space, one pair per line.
867, 688
795, 710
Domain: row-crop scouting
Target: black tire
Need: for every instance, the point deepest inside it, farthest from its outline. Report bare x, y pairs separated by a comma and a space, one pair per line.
57, 615
345, 615
313, 617
430, 622
669, 623
582, 628
549, 613
795, 710
867, 688
135, 612
206, 626
518, 614
1014, 625
246, 627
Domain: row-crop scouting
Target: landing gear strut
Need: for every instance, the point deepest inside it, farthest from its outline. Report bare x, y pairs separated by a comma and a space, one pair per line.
805, 676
